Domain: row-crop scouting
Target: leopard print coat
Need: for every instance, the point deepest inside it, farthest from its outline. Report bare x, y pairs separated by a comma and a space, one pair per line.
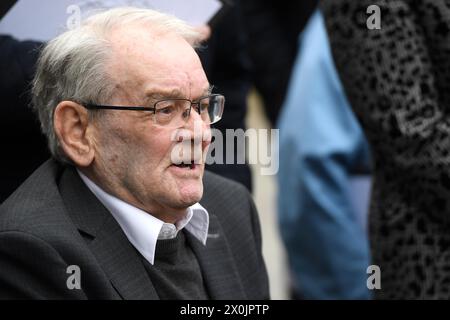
397, 79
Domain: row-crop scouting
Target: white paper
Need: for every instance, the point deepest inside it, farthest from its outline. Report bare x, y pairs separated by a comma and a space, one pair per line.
44, 19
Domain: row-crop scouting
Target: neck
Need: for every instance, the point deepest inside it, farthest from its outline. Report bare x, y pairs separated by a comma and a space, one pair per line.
167, 215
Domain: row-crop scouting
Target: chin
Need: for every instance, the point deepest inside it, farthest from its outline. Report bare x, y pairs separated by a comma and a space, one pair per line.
190, 195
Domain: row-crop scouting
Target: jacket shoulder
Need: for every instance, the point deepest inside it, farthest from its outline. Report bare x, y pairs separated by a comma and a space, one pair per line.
33, 205
213, 183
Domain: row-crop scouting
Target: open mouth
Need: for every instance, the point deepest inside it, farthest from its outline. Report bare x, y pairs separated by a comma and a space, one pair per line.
189, 166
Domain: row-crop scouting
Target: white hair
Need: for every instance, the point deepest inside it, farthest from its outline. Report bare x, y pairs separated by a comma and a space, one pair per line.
74, 65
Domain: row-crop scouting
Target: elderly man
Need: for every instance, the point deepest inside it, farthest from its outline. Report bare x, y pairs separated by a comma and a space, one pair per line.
127, 108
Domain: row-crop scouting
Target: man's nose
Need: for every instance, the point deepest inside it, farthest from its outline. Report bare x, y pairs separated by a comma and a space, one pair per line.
195, 129
194, 114
196, 125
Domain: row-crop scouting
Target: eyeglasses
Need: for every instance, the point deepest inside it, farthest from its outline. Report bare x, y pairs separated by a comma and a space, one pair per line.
175, 112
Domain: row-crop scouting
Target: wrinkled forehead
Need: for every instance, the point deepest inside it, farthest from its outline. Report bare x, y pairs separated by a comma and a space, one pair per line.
142, 58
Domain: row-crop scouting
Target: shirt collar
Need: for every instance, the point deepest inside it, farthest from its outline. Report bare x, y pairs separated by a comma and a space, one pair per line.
141, 228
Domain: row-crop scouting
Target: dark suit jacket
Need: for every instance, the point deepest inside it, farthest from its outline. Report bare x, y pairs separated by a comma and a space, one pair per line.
397, 79
53, 221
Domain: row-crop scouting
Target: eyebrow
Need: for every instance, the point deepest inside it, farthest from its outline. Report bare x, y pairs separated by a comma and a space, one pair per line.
163, 95
173, 94
209, 90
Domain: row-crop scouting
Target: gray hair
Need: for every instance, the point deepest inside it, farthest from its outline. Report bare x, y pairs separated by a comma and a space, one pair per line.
73, 66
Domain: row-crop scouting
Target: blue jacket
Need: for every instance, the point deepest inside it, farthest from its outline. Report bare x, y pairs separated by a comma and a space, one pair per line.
321, 148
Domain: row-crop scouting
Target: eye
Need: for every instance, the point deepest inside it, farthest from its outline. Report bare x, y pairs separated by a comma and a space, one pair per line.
185, 113
166, 110
203, 105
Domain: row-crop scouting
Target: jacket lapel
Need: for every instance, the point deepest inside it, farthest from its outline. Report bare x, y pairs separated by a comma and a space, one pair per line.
216, 261
115, 254
122, 263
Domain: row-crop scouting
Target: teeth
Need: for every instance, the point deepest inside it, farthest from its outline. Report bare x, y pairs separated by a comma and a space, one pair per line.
189, 164
186, 165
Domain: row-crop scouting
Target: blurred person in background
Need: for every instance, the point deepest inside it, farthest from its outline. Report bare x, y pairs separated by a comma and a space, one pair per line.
272, 29
322, 148
226, 62
395, 73
22, 138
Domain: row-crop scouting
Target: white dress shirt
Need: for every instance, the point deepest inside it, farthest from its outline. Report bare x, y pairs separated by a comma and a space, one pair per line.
142, 229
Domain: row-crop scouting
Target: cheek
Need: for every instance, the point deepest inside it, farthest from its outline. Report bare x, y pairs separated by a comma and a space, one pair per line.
155, 148
108, 148
135, 146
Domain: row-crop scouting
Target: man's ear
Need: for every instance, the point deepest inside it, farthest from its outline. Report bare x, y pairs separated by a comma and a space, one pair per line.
72, 129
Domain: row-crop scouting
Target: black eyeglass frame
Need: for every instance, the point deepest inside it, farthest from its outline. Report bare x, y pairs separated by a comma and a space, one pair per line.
91, 106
